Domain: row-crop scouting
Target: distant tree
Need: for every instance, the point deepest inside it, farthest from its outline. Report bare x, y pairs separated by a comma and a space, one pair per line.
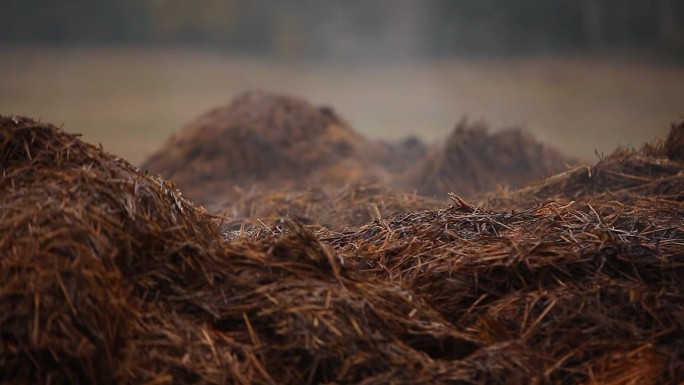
593, 21
376, 27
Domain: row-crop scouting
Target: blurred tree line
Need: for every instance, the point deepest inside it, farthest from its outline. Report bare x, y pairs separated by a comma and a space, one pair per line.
355, 28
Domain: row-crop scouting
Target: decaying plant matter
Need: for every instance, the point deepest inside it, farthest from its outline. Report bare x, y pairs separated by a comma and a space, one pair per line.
473, 161
267, 140
277, 143
109, 275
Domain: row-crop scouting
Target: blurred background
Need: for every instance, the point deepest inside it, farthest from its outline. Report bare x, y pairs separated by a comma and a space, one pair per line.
583, 75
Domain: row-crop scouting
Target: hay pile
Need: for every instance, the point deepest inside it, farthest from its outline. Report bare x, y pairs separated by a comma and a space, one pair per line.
263, 139
548, 295
626, 176
111, 276
473, 161
275, 143
86, 241
108, 275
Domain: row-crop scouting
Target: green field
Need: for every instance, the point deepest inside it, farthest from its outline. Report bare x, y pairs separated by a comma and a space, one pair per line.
130, 99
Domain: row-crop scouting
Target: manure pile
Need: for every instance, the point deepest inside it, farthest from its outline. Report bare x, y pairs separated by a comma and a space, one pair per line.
472, 162
269, 143
265, 140
649, 176
109, 275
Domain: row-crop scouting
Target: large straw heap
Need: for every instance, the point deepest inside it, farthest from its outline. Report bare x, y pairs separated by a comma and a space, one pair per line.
473, 161
277, 143
266, 140
108, 275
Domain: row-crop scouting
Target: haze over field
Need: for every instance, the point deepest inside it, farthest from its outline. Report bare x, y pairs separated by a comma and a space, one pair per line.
583, 75
132, 99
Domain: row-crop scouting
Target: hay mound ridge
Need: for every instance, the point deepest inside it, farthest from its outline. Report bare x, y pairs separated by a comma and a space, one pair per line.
627, 176
108, 275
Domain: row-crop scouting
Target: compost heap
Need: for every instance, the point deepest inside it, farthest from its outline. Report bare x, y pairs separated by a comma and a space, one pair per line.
473, 161
624, 176
108, 275
266, 140
268, 144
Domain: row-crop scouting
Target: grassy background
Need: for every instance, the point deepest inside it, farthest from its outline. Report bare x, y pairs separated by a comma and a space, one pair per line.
131, 99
